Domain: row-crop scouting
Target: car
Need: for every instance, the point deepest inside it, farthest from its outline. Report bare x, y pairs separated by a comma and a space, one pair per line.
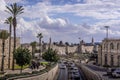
75, 75
116, 73
109, 71
62, 66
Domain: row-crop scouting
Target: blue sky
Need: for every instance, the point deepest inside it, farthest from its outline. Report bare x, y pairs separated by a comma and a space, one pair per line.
65, 20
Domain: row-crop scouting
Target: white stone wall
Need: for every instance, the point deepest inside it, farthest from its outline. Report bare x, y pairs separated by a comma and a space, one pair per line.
87, 48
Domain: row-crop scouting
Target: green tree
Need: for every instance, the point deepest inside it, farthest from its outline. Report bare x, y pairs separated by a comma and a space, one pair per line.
40, 36
14, 10
51, 55
9, 21
33, 44
22, 57
3, 35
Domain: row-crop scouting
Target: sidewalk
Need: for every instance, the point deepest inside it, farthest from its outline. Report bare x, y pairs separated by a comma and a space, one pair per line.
25, 70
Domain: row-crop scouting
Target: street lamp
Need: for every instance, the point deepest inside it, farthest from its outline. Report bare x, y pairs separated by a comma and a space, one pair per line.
79, 38
79, 45
107, 27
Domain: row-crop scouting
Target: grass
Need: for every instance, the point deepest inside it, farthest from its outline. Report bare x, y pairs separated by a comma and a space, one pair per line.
19, 67
44, 63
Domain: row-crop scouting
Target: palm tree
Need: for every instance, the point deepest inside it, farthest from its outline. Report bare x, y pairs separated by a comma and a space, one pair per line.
40, 36
33, 44
3, 35
9, 21
14, 10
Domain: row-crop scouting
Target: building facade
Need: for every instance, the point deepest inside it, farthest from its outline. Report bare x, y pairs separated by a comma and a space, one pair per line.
109, 52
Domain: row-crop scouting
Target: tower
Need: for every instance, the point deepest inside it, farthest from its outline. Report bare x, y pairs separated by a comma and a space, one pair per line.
92, 41
50, 42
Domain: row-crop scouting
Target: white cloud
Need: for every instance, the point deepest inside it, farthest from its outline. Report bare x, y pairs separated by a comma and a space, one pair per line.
36, 18
2, 5
13, 1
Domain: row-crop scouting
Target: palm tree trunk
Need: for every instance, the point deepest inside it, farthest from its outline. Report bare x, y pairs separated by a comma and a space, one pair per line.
39, 45
21, 69
2, 63
9, 47
32, 52
40, 48
14, 26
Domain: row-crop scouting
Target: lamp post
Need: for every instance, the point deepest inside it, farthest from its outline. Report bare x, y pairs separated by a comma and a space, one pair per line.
79, 46
107, 27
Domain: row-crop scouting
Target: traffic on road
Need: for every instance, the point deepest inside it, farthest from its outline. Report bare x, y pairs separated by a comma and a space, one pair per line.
69, 71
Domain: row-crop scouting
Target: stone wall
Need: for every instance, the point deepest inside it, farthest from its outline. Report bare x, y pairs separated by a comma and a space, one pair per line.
7, 51
85, 49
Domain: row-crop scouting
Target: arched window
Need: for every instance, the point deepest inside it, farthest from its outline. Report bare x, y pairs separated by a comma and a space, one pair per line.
104, 46
118, 46
111, 46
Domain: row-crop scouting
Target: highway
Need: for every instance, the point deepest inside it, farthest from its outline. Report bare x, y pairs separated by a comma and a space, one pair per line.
63, 74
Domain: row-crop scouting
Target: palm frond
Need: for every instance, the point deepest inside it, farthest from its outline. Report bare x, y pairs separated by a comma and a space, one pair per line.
9, 20
9, 10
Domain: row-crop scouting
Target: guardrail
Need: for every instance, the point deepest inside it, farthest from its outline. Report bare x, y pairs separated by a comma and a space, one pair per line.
89, 74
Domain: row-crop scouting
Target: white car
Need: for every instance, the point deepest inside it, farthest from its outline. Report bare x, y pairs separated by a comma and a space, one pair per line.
62, 66
116, 73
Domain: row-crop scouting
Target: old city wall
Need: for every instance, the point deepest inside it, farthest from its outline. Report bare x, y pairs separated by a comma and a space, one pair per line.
7, 51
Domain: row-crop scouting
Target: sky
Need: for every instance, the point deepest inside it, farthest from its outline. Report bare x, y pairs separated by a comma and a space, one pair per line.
66, 20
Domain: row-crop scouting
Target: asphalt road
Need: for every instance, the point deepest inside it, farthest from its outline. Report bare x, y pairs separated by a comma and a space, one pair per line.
63, 74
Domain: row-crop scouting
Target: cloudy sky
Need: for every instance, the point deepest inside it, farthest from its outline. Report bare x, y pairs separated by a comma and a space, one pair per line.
65, 20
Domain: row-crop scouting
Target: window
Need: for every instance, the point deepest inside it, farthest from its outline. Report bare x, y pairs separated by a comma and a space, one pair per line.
111, 46
117, 46
105, 59
112, 60
104, 46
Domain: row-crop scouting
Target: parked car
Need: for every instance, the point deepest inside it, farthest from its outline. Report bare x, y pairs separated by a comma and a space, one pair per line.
110, 71
116, 73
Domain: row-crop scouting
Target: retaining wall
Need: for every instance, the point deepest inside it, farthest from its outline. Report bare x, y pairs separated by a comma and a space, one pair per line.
89, 74
50, 75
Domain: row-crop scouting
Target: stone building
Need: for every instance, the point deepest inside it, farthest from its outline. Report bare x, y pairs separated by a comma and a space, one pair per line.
109, 52
7, 51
